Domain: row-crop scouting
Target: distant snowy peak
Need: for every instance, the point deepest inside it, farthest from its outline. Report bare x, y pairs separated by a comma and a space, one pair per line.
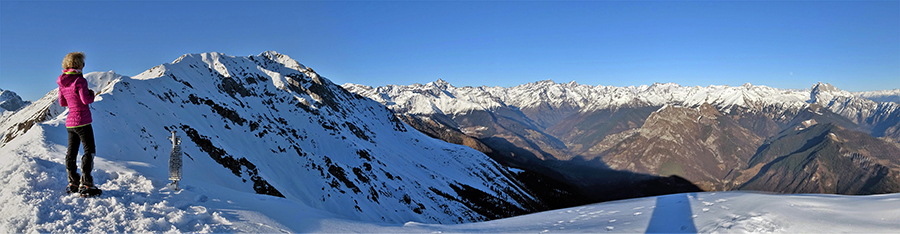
437, 97
10, 101
440, 83
823, 92
881, 96
872, 108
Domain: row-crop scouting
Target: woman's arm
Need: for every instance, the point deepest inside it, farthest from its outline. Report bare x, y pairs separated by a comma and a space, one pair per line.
86, 94
62, 99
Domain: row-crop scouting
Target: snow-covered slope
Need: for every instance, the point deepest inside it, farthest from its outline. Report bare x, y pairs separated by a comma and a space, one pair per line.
250, 125
729, 212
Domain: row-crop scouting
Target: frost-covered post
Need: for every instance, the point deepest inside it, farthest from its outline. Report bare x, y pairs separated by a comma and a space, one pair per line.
175, 160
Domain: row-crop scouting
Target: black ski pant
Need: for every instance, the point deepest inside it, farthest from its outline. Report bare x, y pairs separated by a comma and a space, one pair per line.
79, 135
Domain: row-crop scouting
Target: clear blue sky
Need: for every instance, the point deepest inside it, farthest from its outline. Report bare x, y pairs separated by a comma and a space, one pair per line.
785, 44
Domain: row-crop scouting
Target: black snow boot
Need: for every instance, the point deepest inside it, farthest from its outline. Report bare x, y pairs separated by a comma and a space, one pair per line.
89, 191
72, 189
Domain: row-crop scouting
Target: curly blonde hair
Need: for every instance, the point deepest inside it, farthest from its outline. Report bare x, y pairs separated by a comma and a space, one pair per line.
73, 60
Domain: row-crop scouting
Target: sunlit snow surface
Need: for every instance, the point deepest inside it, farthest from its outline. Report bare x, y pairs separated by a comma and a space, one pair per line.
32, 200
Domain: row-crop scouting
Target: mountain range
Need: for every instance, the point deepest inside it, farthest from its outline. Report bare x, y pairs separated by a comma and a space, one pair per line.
719, 138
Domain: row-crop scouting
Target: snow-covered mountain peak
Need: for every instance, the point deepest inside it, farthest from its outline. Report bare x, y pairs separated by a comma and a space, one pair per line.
440, 84
546, 82
638, 89
285, 60
102, 82
236, 73
271, 54
664, 88
823, 87
217, 61
10, 101
824, 92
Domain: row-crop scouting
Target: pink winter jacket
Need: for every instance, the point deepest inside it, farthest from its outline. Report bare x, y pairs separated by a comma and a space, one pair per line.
74, 93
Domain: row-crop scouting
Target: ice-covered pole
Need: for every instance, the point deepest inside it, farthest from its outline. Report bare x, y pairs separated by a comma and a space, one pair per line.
175, 160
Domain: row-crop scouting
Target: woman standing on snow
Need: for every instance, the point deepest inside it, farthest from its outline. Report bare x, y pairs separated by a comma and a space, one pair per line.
74, 93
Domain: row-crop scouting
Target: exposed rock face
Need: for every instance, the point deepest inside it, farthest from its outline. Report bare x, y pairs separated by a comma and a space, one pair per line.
441, 131
699, 144
589, 134
825, 158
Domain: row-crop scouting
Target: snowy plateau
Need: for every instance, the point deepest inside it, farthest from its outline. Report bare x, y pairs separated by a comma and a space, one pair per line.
270, 147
